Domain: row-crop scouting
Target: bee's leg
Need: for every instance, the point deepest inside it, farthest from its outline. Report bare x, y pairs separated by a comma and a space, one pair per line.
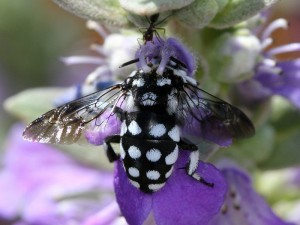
110, 152
192, 165
186, 144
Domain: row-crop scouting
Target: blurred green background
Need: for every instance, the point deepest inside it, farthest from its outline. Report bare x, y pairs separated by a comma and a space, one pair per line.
33, 35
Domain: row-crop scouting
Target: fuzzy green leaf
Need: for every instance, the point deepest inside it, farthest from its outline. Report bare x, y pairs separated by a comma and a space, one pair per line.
150, 7
286, 152
107, 11
30, 104
237, 11
199, 13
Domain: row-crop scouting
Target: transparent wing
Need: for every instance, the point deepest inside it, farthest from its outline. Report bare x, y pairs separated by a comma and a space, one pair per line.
65, 124
211, 117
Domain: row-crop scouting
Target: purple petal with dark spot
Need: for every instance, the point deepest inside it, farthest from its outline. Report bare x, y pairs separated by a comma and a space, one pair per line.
286, 84
243, 205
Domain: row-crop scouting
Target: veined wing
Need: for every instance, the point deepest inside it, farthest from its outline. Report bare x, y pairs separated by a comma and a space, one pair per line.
65, 124
212, 117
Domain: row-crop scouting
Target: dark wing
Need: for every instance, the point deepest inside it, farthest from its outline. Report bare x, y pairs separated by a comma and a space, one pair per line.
211, 117
65, 124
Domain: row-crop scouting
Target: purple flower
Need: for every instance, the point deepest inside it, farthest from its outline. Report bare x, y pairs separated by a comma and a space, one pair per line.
182, 200
272, 77
242, 204
40, 185
160, 52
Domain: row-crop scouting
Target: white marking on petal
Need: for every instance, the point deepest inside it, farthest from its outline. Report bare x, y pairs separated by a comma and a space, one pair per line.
134, 152
168, 174
172, 157
163, 81
134, 172
134, 128
158, 130
134, 183
153, 155
174, 134
155, 187
153, 175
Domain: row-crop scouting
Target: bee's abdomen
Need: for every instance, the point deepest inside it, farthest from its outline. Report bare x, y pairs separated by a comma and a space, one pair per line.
148, 163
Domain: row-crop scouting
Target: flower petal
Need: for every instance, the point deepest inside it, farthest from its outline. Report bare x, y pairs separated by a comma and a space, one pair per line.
40, 177
187, 201
243, 205
286, 84
162, 51
97, 135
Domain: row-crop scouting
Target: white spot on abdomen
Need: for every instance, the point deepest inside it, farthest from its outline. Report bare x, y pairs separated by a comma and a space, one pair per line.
172, 157
155, 187
134, 128
153, 155
134, 172
153, 175
158, 130
134, 183
134, 152
174, 134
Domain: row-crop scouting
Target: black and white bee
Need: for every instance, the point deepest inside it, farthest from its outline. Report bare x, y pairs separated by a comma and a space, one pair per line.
153, 110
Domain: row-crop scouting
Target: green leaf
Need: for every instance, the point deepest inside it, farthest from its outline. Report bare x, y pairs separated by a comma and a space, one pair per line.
237, 11
250, 152
107, 11
286, 152
30, 104
198, 14
150, 7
